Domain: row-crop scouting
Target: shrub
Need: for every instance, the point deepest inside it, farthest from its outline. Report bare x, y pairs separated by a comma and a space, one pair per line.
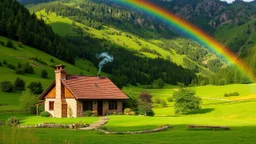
45, 114
52, 60
20, 45
163, 103
9, 44
44, 74
127, 111
35, 87
170, 99
1, 43
20, 71
158, 100
12, 121
19, 66
88, 113
11, 66
5, 62
28, 69
0, 64
6, 86
19, 84
150, 113
231, 94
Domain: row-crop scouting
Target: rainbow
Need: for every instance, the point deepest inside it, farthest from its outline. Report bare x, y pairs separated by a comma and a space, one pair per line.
191, 31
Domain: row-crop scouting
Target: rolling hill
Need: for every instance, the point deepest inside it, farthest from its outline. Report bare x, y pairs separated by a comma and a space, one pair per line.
39, 61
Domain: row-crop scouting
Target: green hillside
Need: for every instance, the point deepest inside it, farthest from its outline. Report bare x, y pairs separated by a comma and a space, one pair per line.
25, 54
151, 44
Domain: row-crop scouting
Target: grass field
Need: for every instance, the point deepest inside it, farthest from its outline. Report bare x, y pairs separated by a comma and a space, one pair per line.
240, 117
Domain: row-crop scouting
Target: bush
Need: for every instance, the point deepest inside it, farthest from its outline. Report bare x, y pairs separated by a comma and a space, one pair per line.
158, 100
20, 45
127, 111
88, 113
9, 44
1, 43
231, 94
20, 71
35, 87
11, 66
163, 103
0, 64
19, 84
44, 74
5, 62
6, 86
28, 69
170, 99
12, 121
45, 114
150, 113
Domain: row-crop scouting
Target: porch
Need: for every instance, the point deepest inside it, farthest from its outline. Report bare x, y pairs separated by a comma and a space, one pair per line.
102, 107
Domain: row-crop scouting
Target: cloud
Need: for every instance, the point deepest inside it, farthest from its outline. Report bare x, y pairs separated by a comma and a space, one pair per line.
230, 1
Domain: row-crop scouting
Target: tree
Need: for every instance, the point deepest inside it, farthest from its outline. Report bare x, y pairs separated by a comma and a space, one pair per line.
44, 74
28, 101
9, 44
19, 84
145, 104
6, 86
185, 101
160, 83
28, 69
35, 87
5, 62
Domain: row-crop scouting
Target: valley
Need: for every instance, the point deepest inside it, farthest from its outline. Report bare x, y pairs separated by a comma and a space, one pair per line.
170, 77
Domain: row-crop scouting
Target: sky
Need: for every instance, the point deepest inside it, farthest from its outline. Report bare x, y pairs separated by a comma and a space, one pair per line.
230, 1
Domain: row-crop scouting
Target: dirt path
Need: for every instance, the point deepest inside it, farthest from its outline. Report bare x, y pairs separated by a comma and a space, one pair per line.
102, 121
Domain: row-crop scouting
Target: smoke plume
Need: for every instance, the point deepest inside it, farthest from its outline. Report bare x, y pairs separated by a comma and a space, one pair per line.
106, 58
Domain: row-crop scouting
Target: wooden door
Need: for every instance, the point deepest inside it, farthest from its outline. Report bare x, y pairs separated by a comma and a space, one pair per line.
64, 110
100, 108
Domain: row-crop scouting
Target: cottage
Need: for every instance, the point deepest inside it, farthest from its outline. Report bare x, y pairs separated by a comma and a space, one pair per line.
71, 96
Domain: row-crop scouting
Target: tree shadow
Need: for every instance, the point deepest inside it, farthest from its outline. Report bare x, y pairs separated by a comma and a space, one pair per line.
202, 111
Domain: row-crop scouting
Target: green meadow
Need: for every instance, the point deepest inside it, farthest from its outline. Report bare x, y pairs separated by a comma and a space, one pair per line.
238, 113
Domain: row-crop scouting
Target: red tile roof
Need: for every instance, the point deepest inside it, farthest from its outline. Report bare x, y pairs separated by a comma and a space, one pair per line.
85, 87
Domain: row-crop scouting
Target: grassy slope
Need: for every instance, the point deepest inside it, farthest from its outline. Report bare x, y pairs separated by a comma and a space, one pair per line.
63, 26
23, 55
232, 33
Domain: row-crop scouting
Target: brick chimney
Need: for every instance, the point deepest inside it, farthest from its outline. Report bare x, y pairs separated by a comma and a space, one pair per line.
60, 74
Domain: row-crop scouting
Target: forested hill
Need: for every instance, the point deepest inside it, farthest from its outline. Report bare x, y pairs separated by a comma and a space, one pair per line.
18, 24
129, 67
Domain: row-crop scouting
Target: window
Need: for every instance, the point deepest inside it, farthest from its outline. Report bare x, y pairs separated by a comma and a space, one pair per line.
112, 105
51, 105
87, 105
